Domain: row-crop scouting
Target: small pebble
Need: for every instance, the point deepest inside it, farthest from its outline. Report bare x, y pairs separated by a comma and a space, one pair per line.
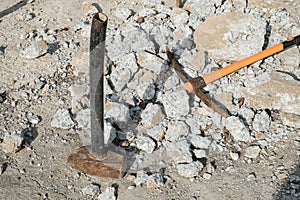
251, 177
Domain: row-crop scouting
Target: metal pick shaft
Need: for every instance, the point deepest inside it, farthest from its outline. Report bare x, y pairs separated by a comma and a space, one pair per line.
97, 49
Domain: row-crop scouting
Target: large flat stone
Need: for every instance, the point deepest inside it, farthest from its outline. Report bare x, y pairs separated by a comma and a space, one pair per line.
280, 92
230, 36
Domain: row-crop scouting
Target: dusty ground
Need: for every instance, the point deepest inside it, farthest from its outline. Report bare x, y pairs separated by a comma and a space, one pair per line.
39, 171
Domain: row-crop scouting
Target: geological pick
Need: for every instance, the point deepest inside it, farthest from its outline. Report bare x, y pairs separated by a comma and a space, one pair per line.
195, 85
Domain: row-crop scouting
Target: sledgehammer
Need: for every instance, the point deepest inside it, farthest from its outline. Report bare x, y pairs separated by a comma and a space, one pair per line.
201, 81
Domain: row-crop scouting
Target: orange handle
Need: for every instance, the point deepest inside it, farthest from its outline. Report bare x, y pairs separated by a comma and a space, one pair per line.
208, 78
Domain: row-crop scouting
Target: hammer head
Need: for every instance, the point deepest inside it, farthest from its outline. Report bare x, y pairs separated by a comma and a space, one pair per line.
111, 164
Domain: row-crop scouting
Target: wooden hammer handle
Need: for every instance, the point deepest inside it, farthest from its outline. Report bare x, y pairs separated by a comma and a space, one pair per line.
208, 78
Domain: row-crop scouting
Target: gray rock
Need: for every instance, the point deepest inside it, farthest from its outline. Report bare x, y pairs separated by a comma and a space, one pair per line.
35, 50
262, 122
157, 132
286, 98
179, 151
108, 194
25, 16
172, 82
78, 91
207, 176
176, 129
146, 144
62, 119
117, 111
247, 114
83, 119
224, 36
141, 178
189, 170
200, 153
88, 9
151, 62
147, 12
197, 59
163, 35
203, 8
200, 142
143, 84
110, 133
131, 187
90, 189
152, 115
33, 118
237, 129
137, 38
12, 143
251, 177
152, 181
195, 123
151, 3
179, 17
176, 104
234, 156
252, 151
290, 60
123, 72
122, 13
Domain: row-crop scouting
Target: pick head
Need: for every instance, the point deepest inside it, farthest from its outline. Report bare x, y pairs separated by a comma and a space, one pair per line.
194, 83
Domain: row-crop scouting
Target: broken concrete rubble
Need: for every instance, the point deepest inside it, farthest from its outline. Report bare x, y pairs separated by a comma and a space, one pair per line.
237, 129
176, 104
190, 170
146, 144
151, 181
152, 115
179, 151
